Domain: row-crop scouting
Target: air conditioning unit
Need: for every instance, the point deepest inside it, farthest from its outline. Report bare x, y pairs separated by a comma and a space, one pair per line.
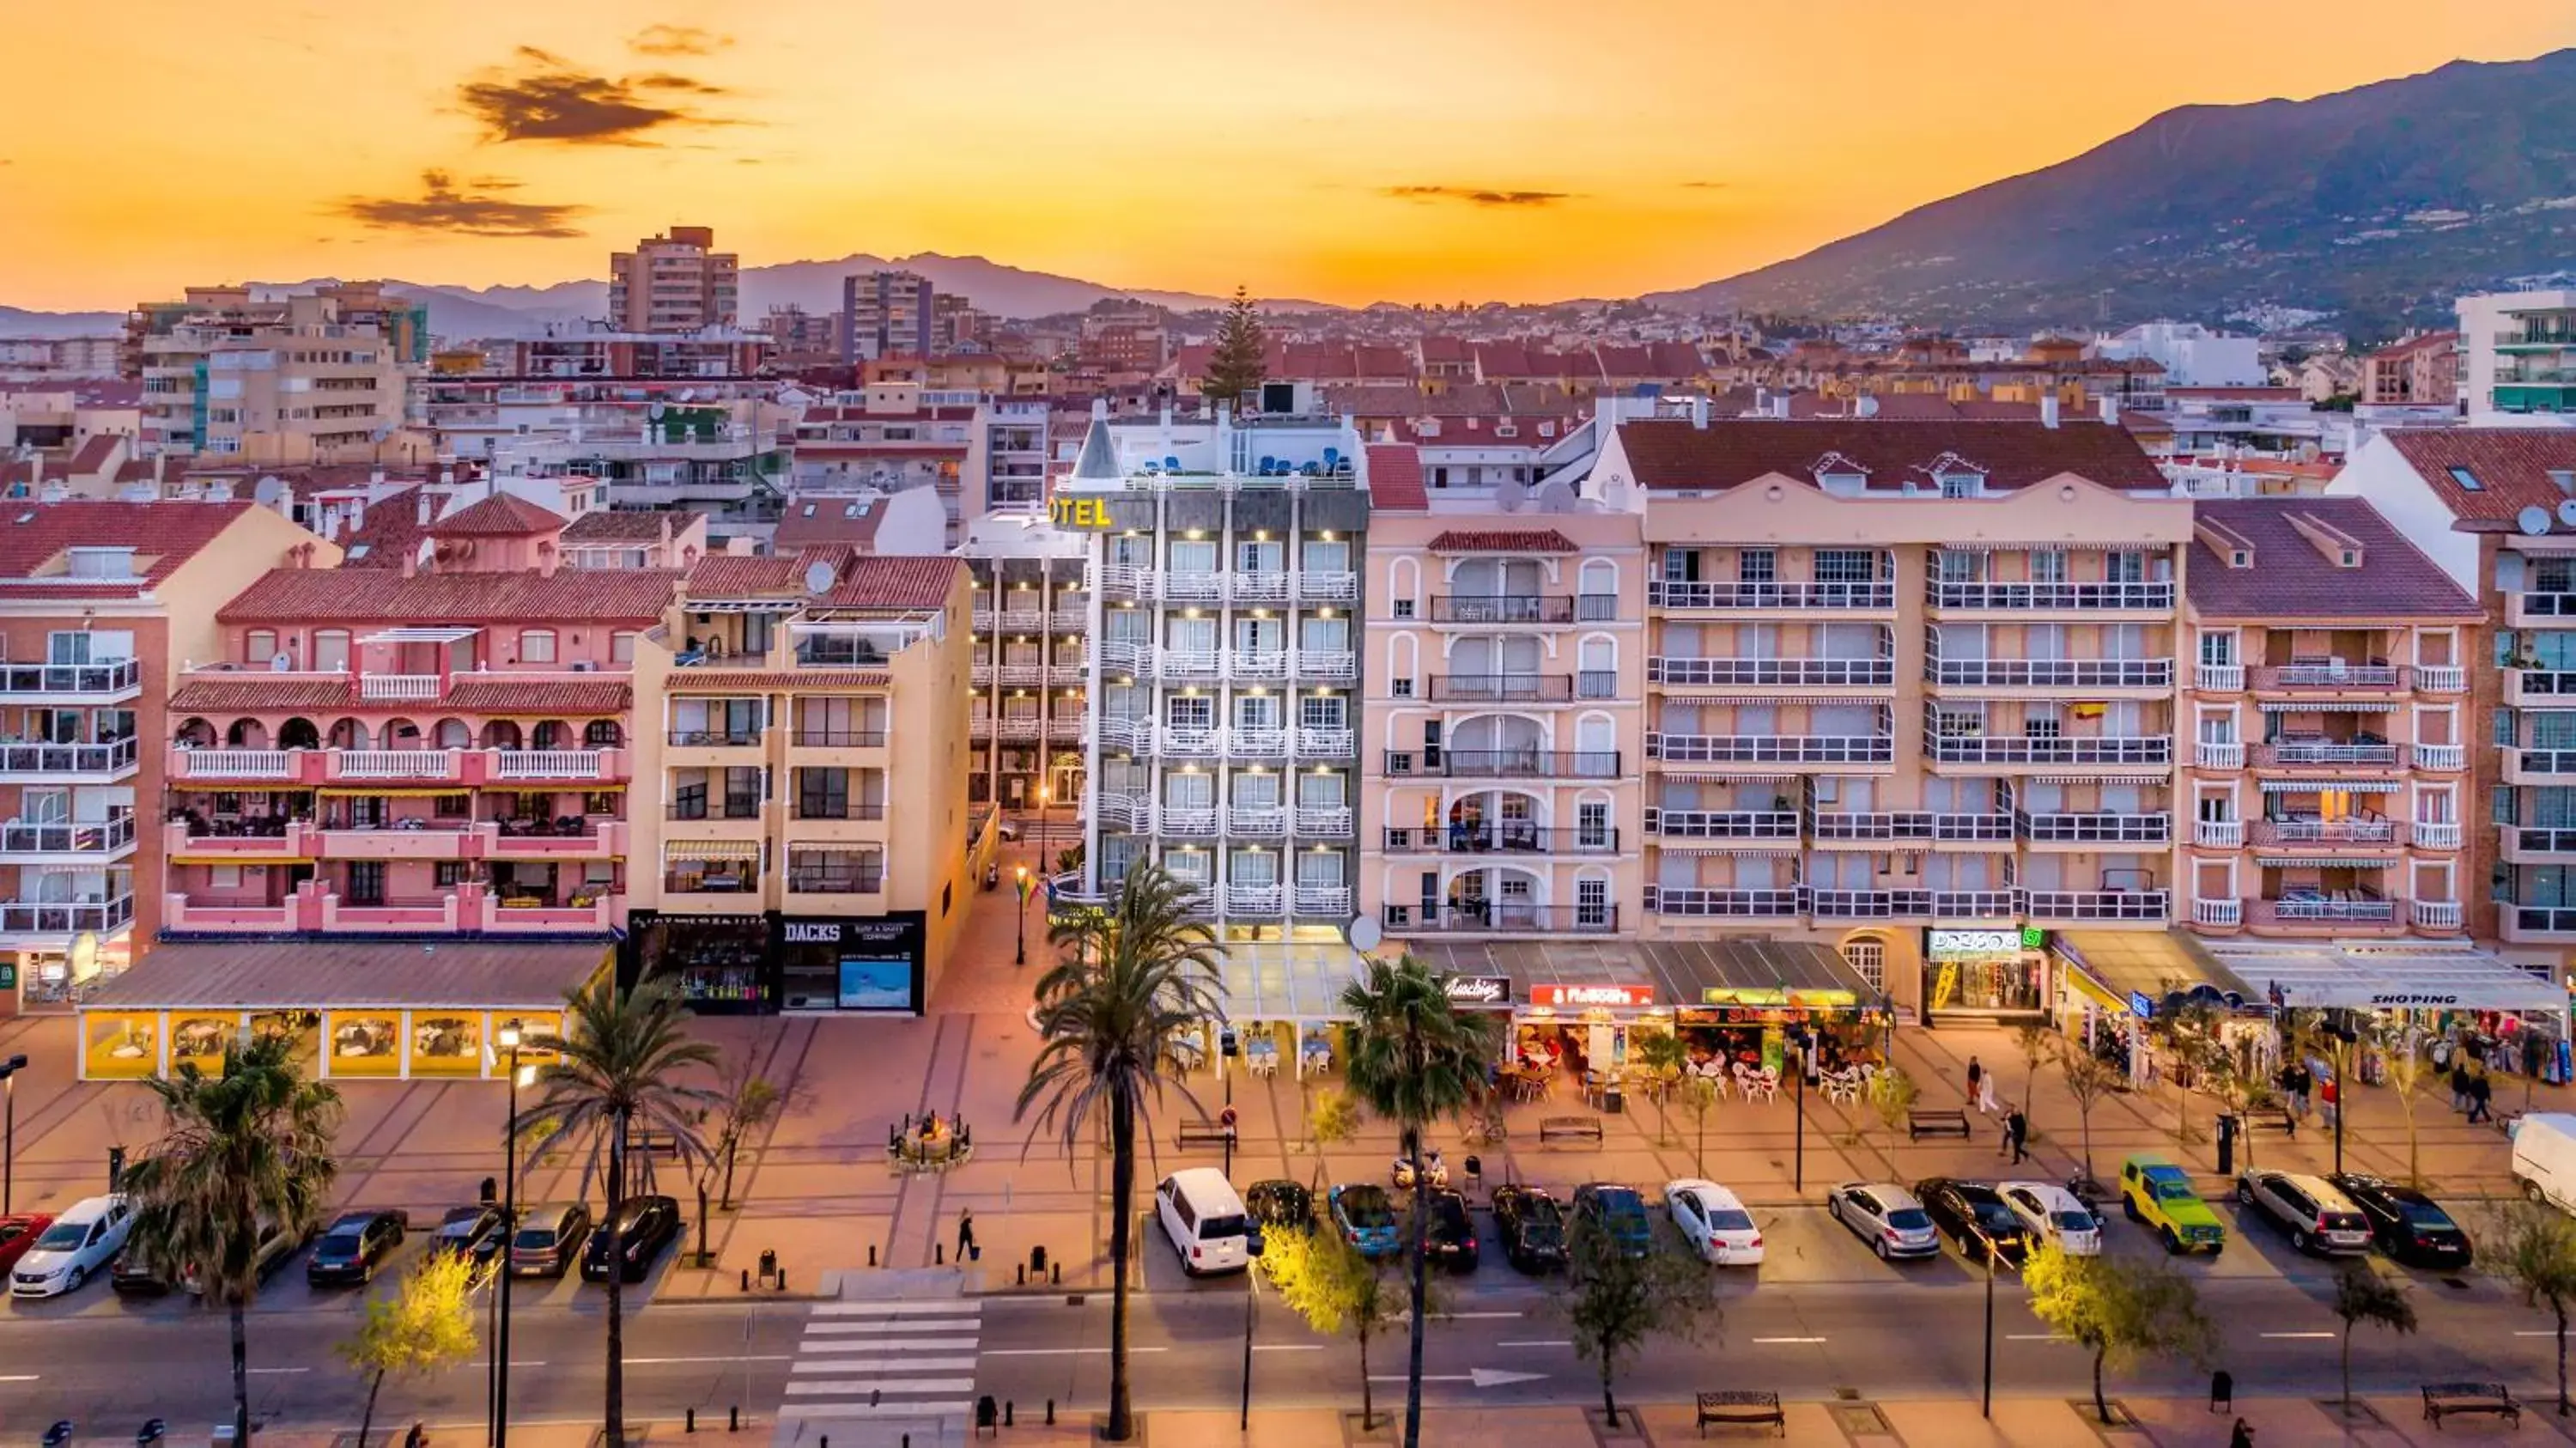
583, 666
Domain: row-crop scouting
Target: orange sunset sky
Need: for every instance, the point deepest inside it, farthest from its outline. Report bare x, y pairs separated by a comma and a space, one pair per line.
1347, 150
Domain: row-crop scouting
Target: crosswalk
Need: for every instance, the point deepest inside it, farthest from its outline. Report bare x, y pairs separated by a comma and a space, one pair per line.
879, 1363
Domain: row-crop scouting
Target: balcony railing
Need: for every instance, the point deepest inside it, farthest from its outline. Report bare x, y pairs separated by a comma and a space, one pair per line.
2327, 912
1126, 812
1256, 664
1328, 665
544, 764
1868, 904
1326, 743
1771, 673
1189, 741
2143, 905
1328, 586
2434, 834
718, 738
1975, 904
1193, 587
2434, 914
431, 765
110, 758
1502, 839
827, 808
1721, 904
1503, 917
2052, 673
1254, 899
1770, 749
1256, 742
2218, 834
2549, 605
2545, 919
1474, 608
2228, 754
65, 921
1328, 901
2220, 913
1327, 821
102, 837
117, 676
1506, 763
712, 809
1502, 688
1196, 823
237, 763
2331, 676
840, 738
2219, 678
2158, 597
1876, 826
2362, 831
399, 688
1259, 587
2545, 841
833, 880
2441, 756
2308, 753
1267, 822
2097, 827
1721, 824
2440, 679
2144, 750
1664, 594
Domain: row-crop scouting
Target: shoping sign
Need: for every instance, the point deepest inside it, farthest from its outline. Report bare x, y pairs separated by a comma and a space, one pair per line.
1480, 990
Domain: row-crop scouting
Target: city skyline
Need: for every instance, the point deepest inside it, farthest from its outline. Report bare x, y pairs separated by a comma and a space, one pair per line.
1429, 159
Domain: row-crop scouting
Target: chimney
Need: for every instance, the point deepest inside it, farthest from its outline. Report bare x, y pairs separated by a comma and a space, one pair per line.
410, 562
2110, 409
547, 556
1780, 406
2048, 410
422, 510
1699, 411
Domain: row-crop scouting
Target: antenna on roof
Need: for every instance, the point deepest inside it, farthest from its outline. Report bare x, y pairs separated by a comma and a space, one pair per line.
2567, 512
819, 578
2533, 521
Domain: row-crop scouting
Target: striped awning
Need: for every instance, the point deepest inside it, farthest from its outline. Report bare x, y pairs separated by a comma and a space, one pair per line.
2317, 862
2325, 706
1998, 545
243, 860
1749, 852
373, 791
1731, 778
2331, 786
710, 851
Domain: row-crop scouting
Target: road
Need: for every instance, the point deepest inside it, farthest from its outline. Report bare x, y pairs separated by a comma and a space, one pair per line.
1821, 1317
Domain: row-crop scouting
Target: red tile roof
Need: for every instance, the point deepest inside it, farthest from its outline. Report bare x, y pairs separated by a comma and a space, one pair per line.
518, 696
700, 677
2292, 578
389, 531
1395, 479
1503, 540
2511, 464
332, 595
509, 694
894, 583
94, 453
1674, 454
819, 521
502, 515
602, 526
726, 575
164, 536
251, 692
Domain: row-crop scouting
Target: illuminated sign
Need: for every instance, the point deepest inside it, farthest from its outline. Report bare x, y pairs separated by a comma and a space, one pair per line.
1592, 995
1079, 515
1956, 944
1480, 990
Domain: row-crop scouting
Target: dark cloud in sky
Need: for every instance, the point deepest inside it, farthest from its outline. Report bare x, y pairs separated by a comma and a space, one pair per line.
676, 40
547, 98
1476, 197
466, 208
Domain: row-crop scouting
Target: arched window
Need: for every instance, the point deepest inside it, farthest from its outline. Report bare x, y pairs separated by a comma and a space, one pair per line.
602, 734
1867, 956
1598, 589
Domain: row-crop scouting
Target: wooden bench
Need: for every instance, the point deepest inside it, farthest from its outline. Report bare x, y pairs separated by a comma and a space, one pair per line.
2441, 1399
1569, 1128
1205, 1133
653, 1143
2272, 1118
1742, 1408
1920, 1124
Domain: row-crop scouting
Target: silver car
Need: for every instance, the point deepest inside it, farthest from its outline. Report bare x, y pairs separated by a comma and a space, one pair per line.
2319, 1218
1886, 1216
2055, 1215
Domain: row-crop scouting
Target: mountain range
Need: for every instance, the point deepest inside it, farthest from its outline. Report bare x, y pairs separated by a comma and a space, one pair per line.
2377, 204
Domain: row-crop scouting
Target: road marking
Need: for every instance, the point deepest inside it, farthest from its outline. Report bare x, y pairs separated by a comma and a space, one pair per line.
1788, 1339
2525, 1332
840, 1411
2301, 1336
886, 1365
1541, 1342
1288, 1347
886, 1385
1061, 1351
830, 1346
957, 1324
537, 1364
1474, 1316
18, 1378
888, 1309
2036, 1337
280, 1371
1481, 1377
649, 1362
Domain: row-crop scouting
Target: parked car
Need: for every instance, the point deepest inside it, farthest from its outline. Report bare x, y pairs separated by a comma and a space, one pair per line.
130, 1276
2407, 1224
1618, 1210
18, 1233
1974, 1215
1713, 1220
547, 1239
1886, 1216
1279, 1203
471, 1232
648, 1224
276, 1244
1205, 1220
1364, 1216
83, 1240
2051, 1214
1449, 1231
2544, 1157
353, 1246
1532, 1228
2318, 1218
2158, 1193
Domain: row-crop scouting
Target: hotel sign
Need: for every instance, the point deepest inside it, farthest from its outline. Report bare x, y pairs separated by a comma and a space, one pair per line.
1585, 996
1078, 514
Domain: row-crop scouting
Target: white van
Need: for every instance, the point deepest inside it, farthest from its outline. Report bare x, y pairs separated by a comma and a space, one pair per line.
2544, 1157
1203, 1215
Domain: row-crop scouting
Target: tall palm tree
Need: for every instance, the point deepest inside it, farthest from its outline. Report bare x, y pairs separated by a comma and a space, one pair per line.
251, 1145
1131, 976
623, 1060
1417, 1059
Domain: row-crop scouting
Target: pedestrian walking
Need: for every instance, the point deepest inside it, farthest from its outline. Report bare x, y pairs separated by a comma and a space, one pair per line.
2242, 1437
1986, 1095
965, 1233
1976, 1078
2327, 1096
2481, 1093
2460, 1084
2304, 1084
2017, 1134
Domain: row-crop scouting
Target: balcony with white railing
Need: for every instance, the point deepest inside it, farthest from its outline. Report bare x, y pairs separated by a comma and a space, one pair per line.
1865, 828
545, 764
69, 763
2441, 679
2435, 834
1189, 823
2540, 766
86, 843
1256, 665
1325, 821
1190, 664
1067, 673
100, 683
2218, 834
2356, 913
1976, 904
1248, 742
1254, 900
1068, 620
2218, 914
1869, 904
1771, 750
2218, 678
1259, 822
2367, 833
1128, 736
1260, 587
2435, 914
2147, 751
2441, 757
2540, 688
2331, 678
1330, 902
2051, 597
1119, 580
1502, 917
1724, 824
2146, 907
37, 923
1026, 673
2154, 674
1192, 587
2537, 924
423, 766
1328, 586
1326, 743
1189, 741
1131, 812
1693, 903
1677, 673
236, 764
1020, 726
1769, 597
1331, 666
400, 688
2218, 754
1505, 763
2328, 754
2089, 829
1022, 618
2539, 845
2539, 610
1126, 656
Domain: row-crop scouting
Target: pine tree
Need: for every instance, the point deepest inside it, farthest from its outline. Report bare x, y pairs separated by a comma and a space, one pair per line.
1237, 367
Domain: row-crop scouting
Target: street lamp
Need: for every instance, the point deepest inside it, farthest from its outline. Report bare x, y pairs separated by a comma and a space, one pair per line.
1987, 1240
9, 1070
509, 1038
1020, 883
1251, 1292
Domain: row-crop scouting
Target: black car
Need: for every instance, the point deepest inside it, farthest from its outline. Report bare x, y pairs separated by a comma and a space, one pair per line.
131, 1278
1619, 1211
1278, 1203
2407, 1224
547, 1239
1532, 1228
1449, 1232
352, 1247
470, 1232
1973, 1214
645, 1225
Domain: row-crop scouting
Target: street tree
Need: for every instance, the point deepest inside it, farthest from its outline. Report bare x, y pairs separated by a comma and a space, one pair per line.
421, 1328
1416, 1059
2120, 1309
1239, 361
2036, 1043
1128, 979
1332, 1118
1330, 1283
247, 1146
2410, 1070
2089, 1079
1699, 1099
2243, 1089
2193, 1040
1616, 1300
1891, 1094
2363, 1296
1667, 1056
2531, 1246
623, 1060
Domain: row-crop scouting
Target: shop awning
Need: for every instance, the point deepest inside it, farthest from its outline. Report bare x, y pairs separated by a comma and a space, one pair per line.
376, 791
348, 975
1686, 974
1274, 980
2405, 975
710, 851
246, 860
2331, 786
2323, 706
447, 635
2321, 862
2151, 963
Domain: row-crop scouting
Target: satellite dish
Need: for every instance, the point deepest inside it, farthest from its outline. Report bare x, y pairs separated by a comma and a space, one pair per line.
1555, 497
2567, 512
265, 491
2533, 521
280, 663
1614, 494
1365, 933
1510, 494
818, 578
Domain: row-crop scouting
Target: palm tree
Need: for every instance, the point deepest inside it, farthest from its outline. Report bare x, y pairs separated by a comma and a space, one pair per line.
247, 1147
619, 1064
1417, 1059
1129, 978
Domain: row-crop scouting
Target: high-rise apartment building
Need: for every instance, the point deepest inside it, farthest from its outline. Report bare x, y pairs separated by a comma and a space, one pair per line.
2518, 358
318, 377
887, 314
677, 282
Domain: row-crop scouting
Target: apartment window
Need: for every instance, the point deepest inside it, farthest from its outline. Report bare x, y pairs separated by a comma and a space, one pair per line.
1868, 960
2217, 649
822, 794
1323, 711
1592, 825
447, 874
2042, 726
2124, 567
536, 646
835, 872
1400, 608
331, 650
1961, 485
2467, 480
621, 646
1681, 565
689, 798
2048, 566
1846, 565
259, 646
1757, 565
1591, 901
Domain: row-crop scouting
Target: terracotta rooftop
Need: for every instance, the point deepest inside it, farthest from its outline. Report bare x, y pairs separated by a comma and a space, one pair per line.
331, 595
700, 677
812, 521
251, 691
505, 693
1503, 540
894, 583
502, 515
2510, 468
2292, 578
389, 531
726, 575
1675, 454
522, 697
603, 526
164, 535
1395, 478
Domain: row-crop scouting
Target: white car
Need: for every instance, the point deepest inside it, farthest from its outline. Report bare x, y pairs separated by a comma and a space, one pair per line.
1886, 1216
78, 1246
1714, 1222
2055, 1215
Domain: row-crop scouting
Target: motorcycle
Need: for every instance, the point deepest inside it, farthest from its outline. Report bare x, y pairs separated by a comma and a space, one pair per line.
1434, 1170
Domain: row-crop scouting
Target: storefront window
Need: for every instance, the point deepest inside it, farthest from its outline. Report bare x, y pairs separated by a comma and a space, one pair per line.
446, 1043
364, 1043
850, 964
121, 1045
717, 960
200, 1040
1992, 972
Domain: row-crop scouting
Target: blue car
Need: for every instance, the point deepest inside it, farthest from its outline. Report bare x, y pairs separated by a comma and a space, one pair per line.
1366, 1219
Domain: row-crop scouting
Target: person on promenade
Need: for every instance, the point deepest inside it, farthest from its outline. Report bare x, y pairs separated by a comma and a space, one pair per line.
1976, 1078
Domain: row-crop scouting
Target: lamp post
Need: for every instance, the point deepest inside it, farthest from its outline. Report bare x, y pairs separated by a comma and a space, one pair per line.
1020, 883
1986, 1239
509, 1230
1251, 1292
1798, 1172
9, 1070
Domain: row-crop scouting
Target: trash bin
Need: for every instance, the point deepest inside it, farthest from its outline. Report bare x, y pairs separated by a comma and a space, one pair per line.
2227, 1127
